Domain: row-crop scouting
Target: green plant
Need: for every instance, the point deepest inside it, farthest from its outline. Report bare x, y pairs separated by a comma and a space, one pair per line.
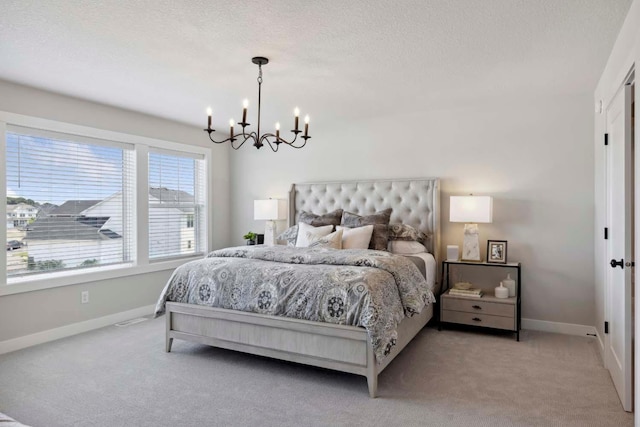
250, 236
89, 262
49, 264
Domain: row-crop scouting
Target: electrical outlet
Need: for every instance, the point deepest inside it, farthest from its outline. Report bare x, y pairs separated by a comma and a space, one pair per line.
84, 297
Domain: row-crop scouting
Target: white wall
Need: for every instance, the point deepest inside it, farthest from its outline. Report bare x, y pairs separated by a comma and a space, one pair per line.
32, 312
533, 155
625, 53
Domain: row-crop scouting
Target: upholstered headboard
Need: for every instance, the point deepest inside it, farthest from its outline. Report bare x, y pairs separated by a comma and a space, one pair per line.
415, 202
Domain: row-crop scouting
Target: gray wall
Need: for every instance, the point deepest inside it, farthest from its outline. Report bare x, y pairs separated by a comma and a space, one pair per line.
31, 312
534, 156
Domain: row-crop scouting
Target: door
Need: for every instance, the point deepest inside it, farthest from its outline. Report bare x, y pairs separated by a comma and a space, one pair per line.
618, 343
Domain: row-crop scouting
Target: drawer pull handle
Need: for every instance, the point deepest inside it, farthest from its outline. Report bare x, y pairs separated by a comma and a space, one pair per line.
477, 307
476, 319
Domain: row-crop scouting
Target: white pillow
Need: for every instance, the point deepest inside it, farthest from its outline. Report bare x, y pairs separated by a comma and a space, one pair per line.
356, 238
302, 240
405, 247
333, 240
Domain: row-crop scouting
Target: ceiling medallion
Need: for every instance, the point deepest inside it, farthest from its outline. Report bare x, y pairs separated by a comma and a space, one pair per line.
273, 140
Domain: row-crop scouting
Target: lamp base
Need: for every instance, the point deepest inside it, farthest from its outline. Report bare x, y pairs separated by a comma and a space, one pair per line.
270, 233
471, 246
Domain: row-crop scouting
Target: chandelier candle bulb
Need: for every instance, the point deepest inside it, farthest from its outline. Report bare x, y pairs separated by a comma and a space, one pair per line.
306, 125
231, 124
209, 113
245, 105
296, 113
277, 130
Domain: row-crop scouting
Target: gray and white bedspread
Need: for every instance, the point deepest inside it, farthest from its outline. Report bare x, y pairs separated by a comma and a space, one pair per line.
372, 289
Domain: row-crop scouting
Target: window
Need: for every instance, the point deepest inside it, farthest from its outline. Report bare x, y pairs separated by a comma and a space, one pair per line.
80, 190
87, 204
177, 192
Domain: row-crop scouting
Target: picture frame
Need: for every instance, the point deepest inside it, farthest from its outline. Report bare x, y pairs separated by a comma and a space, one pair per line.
497, 251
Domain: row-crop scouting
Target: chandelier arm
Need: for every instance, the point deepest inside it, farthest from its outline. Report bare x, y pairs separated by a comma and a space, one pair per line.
265, 137
210, 131
280, 140
247, 137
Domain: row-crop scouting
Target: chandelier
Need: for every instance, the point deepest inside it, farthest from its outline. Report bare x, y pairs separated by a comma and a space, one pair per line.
273, 140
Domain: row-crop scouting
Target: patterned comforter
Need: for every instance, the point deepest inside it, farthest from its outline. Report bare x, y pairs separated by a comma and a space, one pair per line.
372, 289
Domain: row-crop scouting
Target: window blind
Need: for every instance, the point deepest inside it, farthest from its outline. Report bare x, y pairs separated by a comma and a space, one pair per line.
177, 194
69, 202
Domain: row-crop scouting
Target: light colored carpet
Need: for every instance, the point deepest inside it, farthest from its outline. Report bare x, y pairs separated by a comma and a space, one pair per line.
122, 377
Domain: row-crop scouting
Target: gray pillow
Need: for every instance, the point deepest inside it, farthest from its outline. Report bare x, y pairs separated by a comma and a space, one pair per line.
331, 218
289, 235
406, 232
380, 222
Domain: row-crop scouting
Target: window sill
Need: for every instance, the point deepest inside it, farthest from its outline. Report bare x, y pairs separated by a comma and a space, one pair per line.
55, 281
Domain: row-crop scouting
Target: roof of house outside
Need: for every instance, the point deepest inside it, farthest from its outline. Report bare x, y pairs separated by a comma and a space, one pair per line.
73, 207
11, 208
67, 228
174, 196
165, 195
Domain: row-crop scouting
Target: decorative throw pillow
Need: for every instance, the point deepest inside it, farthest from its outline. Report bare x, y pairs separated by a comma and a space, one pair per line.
406, 247
380, 222
406, 232
356, 238
302, 241
289, 235
333, 240
332, 218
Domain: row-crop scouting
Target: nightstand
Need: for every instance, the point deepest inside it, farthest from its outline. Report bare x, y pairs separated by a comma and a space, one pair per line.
486, 312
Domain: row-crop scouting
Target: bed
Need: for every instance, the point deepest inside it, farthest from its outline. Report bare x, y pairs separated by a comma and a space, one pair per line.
328, 345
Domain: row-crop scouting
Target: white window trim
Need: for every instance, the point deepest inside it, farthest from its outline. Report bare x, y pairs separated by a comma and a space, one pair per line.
142, 264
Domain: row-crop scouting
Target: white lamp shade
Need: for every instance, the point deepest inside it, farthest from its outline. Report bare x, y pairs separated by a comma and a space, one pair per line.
471, 209
270, 210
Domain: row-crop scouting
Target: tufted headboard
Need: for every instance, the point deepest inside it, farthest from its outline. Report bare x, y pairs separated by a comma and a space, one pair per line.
415, 202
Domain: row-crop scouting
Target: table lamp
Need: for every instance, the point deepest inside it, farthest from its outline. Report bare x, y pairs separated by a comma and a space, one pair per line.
270, 210
471, 210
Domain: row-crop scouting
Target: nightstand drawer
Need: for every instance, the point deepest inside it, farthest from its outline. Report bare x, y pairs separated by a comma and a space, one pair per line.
476, 306
476, 319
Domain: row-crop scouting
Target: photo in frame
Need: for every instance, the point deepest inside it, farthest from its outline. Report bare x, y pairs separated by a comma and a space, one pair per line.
497, 251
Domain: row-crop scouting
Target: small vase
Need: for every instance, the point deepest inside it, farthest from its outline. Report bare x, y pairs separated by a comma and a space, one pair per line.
510, 284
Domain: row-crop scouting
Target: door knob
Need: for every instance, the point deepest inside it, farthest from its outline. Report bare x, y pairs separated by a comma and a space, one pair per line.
615, 263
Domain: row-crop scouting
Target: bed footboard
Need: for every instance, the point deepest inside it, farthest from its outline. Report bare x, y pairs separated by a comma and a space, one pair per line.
337, 347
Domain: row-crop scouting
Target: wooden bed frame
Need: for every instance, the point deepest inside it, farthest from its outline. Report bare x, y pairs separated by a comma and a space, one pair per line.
338, 347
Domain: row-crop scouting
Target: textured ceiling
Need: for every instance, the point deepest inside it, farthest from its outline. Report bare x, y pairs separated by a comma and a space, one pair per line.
344, 59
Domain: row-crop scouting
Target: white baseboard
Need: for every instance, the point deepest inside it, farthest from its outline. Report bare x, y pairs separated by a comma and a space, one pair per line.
600, 346
72, 329
558, 327
100, 322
